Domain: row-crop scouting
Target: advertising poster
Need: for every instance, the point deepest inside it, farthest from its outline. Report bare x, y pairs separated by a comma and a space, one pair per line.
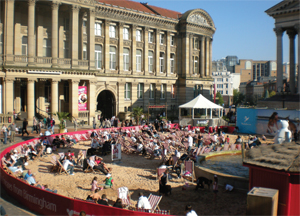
82, 98
116, 152
266, 121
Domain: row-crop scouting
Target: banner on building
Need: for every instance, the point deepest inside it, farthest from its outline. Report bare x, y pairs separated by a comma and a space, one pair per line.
116, 152
0, 98
266, 121
82, 98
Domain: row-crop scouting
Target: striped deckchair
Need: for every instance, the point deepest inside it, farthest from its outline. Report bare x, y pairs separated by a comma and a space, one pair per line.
233, 147
226, 147
124, 195
163, 212
154, 201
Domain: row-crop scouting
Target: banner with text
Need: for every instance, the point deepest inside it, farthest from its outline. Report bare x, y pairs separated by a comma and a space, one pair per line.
116, 152
82, 98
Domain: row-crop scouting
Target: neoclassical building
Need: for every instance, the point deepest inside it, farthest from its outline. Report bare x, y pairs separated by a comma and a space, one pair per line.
287, 19
126, 54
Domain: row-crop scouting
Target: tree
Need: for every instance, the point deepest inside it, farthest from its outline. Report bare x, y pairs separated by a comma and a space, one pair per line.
137, 112
61, 117
238, 97
272, 93
221, 101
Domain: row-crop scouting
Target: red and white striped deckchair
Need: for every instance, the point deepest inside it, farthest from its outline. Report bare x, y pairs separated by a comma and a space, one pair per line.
202, 150
226, 147
154, 201
219, 149
124, 195
160, 171
143, 210
233, 147
207, 150
163, 212
198, 151
239, 146
189, 167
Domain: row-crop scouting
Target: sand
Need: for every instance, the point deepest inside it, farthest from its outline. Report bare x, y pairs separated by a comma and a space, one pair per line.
138, 173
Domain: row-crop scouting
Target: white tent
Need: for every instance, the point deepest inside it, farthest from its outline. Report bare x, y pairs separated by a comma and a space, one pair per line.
200, 102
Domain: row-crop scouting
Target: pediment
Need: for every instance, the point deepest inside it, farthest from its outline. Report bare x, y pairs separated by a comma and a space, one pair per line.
284, 7
198, 18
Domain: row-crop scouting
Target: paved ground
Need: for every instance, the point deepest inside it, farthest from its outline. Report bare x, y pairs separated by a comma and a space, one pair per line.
11, 206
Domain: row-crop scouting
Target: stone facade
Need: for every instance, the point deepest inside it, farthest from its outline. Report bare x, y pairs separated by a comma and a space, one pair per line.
126, 56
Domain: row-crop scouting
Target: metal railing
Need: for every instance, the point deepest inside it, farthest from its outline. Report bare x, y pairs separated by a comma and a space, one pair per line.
64, 62
6, 118
43, 60
83, 114
20, 58
83, 63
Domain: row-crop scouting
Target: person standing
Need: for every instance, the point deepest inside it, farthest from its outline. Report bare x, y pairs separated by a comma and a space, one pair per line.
101, 122
52, 123
45, 122
40, 126
24, 129
12, 128
190, 140
34, 127
4, 131
94, 123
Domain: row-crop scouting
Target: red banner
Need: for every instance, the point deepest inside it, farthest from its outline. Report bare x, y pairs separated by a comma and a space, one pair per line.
157, 106
82, 98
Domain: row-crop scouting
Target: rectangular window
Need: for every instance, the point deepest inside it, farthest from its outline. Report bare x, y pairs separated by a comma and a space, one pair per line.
112, 31
173, 91
196, 63
150, 61
161, 62
127, 92
66, 49
172, 40
161, 38
47, 48
163, 91
139, 60
84, 26
98, 29
152, 91
196, 43
227, 92
98, 56
150, 37
24, 45
226, 85
66, 91
66, 24
172, 63
126, 33
112, 58
138, 35
140, 91
84, 51
126, 59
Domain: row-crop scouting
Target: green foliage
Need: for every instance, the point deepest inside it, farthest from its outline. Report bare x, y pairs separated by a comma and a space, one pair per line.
272, 93
267, 94
137, 112
221, 101
238, 97
61, 117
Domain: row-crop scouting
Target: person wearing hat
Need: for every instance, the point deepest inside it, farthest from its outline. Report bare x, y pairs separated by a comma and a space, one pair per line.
108, 182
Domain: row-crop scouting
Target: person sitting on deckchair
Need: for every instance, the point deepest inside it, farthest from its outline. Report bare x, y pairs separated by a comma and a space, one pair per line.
94, 146
201, 181
143, 202
99, 165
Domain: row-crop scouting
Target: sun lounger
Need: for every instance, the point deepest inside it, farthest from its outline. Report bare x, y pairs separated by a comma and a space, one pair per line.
154, 200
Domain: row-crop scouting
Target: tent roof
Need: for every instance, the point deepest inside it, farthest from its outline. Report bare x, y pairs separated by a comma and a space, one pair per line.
200, 102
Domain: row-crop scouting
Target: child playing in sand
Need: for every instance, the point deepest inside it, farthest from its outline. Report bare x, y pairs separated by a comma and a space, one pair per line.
95, 185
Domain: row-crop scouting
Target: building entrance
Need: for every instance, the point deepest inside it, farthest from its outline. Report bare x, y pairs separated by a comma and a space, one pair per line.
106, 103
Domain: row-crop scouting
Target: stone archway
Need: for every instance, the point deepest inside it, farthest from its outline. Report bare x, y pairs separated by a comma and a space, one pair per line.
106, 102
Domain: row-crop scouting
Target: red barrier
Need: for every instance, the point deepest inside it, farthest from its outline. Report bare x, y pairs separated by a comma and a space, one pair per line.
47, 203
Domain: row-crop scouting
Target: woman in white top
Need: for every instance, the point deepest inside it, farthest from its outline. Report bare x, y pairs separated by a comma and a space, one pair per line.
4, 131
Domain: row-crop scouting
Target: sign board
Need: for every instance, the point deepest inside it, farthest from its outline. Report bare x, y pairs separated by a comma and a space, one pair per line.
116, 152
82, 98
157, 106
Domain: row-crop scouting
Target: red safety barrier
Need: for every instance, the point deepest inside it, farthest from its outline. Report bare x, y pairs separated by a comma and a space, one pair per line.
47, 203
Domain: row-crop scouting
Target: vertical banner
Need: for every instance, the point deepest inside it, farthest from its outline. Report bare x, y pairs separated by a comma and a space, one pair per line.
246, 120
82, 98
116, 152
0, 98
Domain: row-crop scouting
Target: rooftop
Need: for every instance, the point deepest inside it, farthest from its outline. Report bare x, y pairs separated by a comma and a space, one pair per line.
143, 7
285, 156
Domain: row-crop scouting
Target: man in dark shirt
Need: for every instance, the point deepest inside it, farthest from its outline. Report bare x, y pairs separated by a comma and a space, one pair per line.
103, 201
24, 130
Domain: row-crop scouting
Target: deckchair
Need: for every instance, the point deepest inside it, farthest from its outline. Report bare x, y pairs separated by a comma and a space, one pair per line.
189, 167
160, 171
61, 168
89, 166
124, 195
239, 146
154, 201
61, 155
226, 147
202, 150
233, 147
163, 212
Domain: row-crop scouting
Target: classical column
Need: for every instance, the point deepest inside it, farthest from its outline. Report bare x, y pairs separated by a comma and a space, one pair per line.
210, 57
202, 57
92, 100
145, 57
31, 39
30, 100
54, 96
279, 56
9, 30
207, 57
291, 33
106, 45
91, 38
133, 49
54, 34
297, 27
191, 63
9, 95
121, 26
168, 53
73, 98
157, 51
185, 54
74, 35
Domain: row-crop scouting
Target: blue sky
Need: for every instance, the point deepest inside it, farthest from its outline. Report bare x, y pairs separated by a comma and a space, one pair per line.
243, 27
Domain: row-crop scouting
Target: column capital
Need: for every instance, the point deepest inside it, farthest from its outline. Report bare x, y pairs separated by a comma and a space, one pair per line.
190, 35
55, 81
31, 2
31, 80
91, 11
146, 29
291, 33
75, 8
134, 26
55, 5
9, 79
93, 82
278, 31
121, 24
74, 81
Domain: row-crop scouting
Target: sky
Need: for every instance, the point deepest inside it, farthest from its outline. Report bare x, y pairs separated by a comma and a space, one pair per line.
242, 26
